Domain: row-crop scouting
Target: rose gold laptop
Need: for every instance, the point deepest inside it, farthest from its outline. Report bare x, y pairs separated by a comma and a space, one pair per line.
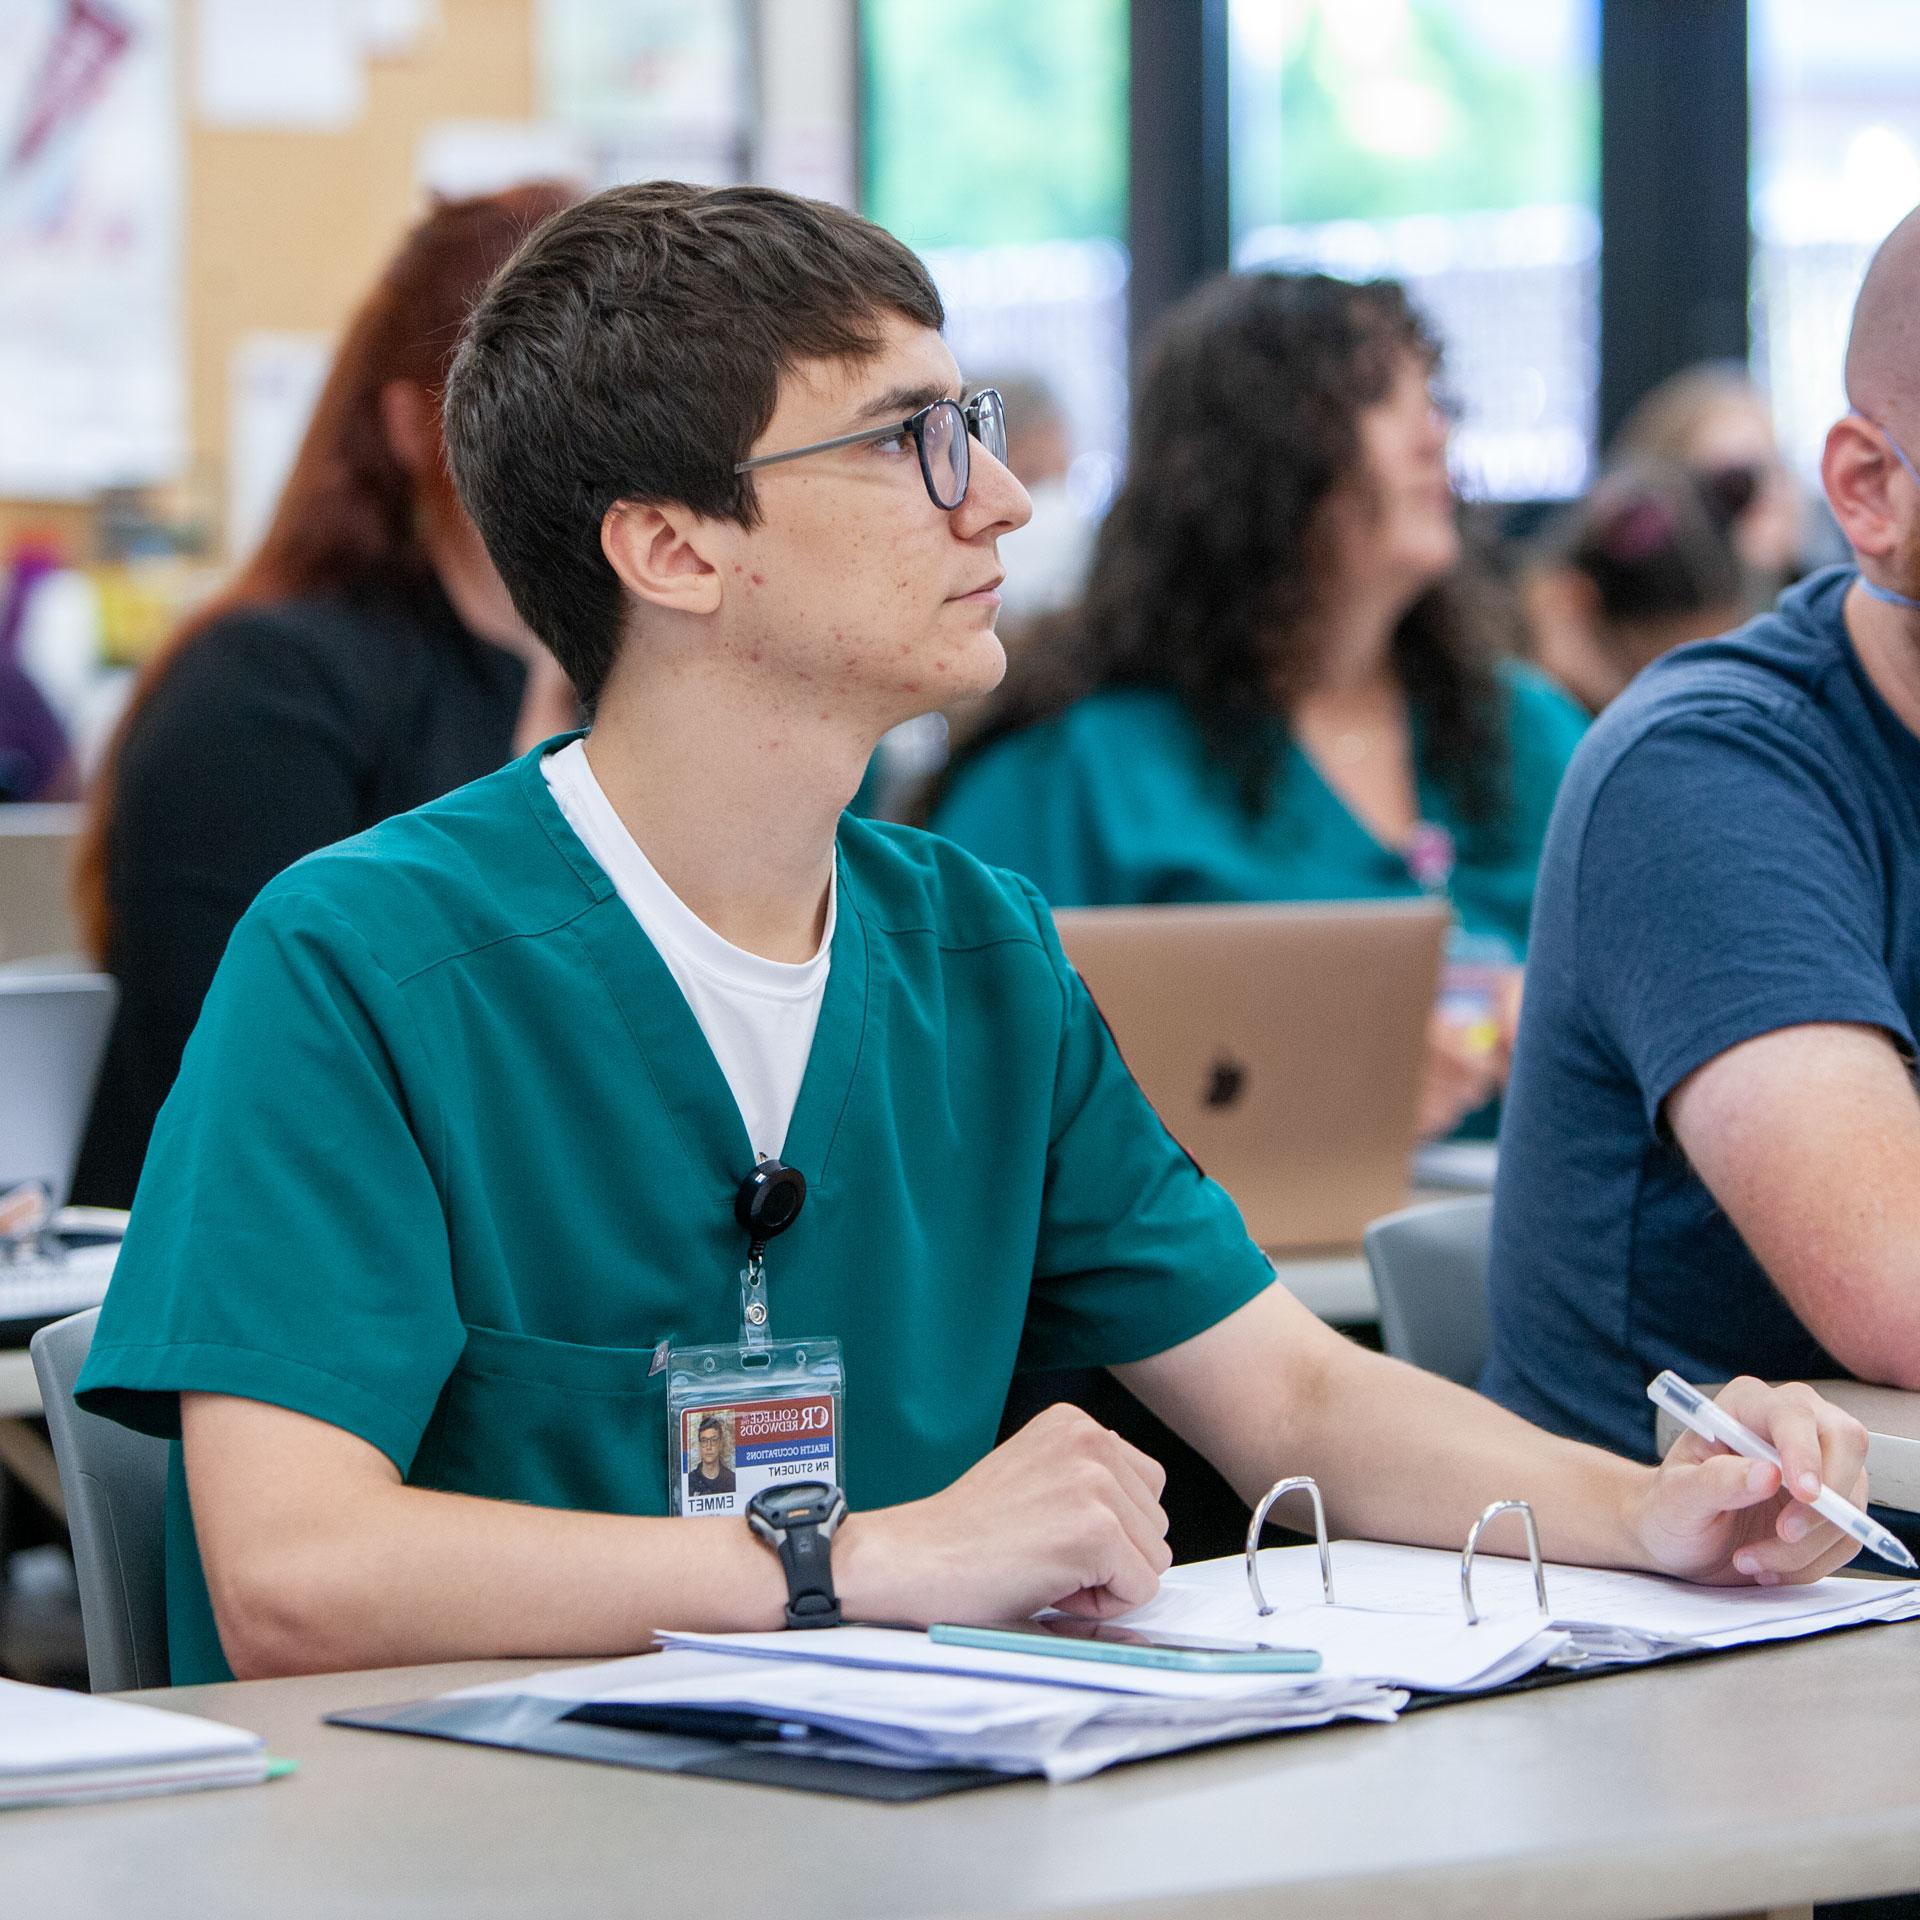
1282, 1045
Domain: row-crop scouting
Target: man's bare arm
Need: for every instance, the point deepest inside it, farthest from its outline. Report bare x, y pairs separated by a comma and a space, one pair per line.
1403, 1455
1809, 1138
319, 1557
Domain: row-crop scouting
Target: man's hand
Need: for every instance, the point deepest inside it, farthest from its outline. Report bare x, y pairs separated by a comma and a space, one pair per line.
1710, 1515
1065, 1514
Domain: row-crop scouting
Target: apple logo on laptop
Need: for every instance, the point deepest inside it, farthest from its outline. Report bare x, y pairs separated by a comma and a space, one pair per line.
1225, 1083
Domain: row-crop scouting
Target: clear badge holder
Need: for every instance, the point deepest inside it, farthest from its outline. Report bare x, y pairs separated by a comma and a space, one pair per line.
757, 1414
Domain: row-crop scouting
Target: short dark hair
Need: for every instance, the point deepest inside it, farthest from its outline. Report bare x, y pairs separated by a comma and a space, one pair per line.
632, 349
713, 1425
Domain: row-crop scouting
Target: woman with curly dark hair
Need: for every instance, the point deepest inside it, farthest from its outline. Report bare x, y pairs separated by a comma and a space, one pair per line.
1283, 682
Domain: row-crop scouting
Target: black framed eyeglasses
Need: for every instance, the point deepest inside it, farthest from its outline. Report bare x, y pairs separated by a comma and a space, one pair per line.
941, 434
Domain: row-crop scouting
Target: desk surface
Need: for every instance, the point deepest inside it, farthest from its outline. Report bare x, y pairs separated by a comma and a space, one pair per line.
1586, 1801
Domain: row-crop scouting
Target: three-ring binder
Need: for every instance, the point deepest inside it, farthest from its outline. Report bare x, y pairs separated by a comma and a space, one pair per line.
1305, 1483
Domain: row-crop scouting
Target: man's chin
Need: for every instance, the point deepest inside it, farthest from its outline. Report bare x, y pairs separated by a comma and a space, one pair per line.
977, 667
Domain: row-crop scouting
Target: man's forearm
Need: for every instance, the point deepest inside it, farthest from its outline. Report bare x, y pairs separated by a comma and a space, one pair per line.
318, 1557
1399, 1454
1403, 1455
411, 1576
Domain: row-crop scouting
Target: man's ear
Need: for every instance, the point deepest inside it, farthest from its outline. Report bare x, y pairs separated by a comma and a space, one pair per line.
407, 418
1857, 472
656, 553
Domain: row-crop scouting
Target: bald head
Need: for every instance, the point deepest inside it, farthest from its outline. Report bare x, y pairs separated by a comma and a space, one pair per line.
1883, 350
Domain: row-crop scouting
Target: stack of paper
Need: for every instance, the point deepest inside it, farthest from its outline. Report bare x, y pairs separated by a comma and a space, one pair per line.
897, 1699
1597, 1616
1356, 1648
58, 1746
896, 1707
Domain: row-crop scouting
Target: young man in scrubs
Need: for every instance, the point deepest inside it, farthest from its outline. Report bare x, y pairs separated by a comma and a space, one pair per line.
454, 1155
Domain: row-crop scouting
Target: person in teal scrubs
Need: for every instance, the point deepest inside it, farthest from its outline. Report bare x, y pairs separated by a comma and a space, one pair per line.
453, 1157
1283, 683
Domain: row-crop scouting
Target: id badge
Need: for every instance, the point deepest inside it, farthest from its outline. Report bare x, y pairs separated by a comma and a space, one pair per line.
743, 1419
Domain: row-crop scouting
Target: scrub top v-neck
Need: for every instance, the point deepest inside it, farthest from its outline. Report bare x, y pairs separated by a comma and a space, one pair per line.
449, 1159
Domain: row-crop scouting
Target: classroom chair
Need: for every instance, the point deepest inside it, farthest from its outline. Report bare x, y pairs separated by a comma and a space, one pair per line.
115, 1481
1429, 1266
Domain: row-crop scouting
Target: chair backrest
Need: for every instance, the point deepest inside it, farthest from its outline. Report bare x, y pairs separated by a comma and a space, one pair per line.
1429, 1268
115, 1483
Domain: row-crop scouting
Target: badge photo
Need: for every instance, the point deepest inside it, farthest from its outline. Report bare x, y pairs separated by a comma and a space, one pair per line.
708, 1484
730, 1452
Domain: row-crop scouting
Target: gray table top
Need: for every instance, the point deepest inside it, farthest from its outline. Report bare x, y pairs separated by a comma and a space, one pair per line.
1754, 1780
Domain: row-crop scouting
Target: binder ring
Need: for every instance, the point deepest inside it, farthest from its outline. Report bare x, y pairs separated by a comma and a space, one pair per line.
1533, 1553
1299, 1482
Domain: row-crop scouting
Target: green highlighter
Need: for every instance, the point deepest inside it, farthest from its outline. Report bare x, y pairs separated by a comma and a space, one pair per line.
1070, 1639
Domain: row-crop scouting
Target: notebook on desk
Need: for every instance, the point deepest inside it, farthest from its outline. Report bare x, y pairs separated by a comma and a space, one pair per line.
1282, 1045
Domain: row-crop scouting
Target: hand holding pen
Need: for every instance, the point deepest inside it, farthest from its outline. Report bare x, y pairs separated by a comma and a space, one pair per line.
1752, 1490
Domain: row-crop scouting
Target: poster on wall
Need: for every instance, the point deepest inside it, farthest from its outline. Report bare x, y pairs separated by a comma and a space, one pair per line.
656, 88
90, 354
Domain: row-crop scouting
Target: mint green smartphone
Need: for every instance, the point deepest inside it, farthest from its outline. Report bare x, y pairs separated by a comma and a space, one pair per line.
1071, 1639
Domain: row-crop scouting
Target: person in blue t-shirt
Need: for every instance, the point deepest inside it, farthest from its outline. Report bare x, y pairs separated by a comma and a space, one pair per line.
1711, 1157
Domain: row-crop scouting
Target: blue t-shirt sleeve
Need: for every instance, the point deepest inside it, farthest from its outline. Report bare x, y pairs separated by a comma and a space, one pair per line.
1138, 1250
1726, 889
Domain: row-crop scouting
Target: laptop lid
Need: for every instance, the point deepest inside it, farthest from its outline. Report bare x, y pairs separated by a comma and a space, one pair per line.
53, 1033
1282, 1045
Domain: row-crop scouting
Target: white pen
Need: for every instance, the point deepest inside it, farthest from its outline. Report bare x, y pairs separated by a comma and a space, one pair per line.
1700, 1415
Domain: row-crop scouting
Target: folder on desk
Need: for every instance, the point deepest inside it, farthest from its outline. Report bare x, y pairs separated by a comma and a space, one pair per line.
893, 1715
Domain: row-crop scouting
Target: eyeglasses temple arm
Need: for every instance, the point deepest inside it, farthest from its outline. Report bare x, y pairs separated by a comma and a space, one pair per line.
822, 446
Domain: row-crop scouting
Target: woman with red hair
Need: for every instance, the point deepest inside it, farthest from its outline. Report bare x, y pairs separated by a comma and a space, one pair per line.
365, 660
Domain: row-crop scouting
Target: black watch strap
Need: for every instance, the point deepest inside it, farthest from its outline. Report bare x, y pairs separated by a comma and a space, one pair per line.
806, 1557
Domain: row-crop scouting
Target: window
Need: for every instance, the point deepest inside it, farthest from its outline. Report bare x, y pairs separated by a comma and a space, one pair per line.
1452, 144
995, 145
1836, 163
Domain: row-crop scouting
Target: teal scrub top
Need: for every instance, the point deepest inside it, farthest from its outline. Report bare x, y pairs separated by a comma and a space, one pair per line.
1117, 803
449, 1156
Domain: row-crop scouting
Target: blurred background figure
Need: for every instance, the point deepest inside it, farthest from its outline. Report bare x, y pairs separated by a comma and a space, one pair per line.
365, 660
34, 761
1046, 560
1650, 559
1714, 420
1285, 681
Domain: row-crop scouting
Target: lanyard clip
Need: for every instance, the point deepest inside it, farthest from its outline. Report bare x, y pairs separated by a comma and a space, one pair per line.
753, 1299
767, 1204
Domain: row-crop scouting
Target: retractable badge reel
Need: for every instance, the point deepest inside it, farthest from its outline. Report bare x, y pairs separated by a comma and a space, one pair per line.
761, 1412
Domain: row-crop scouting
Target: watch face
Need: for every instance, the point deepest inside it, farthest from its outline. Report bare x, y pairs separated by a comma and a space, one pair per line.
805, 1503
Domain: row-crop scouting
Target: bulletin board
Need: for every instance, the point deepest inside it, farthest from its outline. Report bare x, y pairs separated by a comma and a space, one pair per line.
284, 227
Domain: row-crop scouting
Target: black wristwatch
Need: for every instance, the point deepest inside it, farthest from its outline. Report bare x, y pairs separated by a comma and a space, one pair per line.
798, 1522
